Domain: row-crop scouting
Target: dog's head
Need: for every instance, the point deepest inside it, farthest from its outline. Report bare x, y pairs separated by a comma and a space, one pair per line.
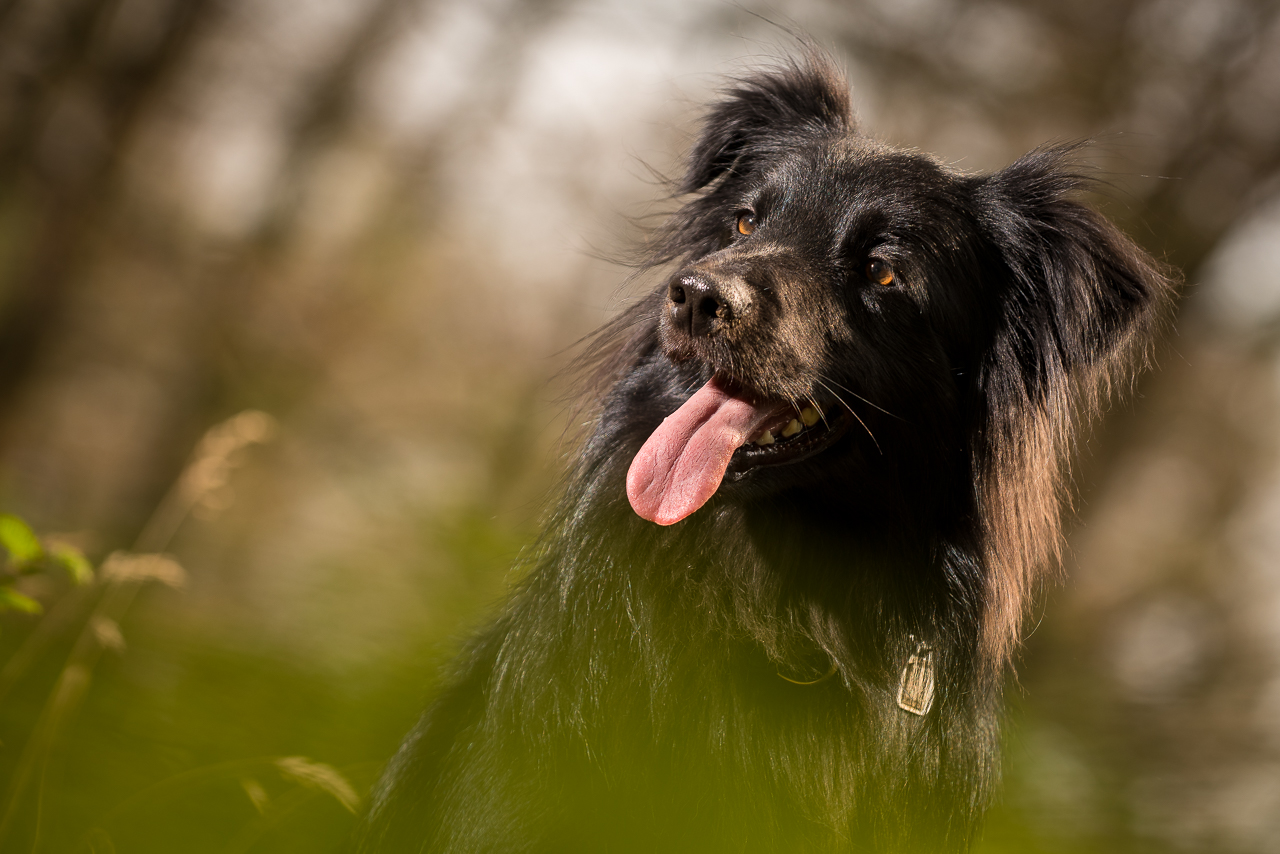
841, 299
823, 277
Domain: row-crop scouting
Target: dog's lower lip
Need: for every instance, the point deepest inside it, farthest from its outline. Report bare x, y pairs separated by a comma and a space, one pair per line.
811, 441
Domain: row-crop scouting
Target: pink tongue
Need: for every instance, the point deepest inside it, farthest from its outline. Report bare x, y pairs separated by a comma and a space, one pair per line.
683, 462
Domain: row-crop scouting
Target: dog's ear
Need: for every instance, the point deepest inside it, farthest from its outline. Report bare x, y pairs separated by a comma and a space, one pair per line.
1078, 307
768, 111
1080, 292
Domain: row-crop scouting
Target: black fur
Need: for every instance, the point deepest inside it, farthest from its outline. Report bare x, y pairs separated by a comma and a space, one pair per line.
630, 697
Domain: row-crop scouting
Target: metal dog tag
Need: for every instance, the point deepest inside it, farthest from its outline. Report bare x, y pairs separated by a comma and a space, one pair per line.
915, 686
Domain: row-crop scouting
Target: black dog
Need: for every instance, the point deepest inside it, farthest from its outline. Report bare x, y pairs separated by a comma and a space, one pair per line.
775, 609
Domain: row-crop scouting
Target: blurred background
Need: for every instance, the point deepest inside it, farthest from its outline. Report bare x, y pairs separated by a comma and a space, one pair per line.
284, 289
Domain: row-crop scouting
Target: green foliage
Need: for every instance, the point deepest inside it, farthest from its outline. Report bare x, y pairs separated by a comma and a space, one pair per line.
12, 600
20, 541
29, 555
72, 560
189, 743
198, 742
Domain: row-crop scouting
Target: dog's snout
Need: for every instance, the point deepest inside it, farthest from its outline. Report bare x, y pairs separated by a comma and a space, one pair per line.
698, 304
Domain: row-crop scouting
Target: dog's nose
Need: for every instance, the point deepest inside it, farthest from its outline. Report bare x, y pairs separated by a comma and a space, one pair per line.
697, 303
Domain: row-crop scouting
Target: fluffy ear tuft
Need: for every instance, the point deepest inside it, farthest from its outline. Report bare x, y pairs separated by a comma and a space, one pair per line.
1081, 290
1080, 307
760, 113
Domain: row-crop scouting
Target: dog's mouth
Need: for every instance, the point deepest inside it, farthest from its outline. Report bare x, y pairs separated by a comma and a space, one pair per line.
790, 436
717, 430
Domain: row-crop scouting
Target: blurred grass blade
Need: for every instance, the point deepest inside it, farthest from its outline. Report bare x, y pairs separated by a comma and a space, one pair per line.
257, 794
317, 775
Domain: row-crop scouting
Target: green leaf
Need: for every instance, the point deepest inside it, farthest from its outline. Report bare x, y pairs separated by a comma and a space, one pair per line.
18, 538
73, 561
12, 600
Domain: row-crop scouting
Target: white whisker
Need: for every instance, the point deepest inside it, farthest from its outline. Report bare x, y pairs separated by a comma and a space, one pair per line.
842, 402
859, 397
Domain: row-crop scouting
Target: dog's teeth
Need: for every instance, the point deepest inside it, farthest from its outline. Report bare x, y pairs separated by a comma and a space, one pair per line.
766, 438
809, 416
791, 429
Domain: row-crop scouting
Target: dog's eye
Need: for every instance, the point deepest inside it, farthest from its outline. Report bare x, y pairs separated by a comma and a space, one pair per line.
746, 222
879, 272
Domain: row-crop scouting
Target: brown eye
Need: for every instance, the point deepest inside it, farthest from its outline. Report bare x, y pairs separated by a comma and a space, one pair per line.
879, 272
746, 223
